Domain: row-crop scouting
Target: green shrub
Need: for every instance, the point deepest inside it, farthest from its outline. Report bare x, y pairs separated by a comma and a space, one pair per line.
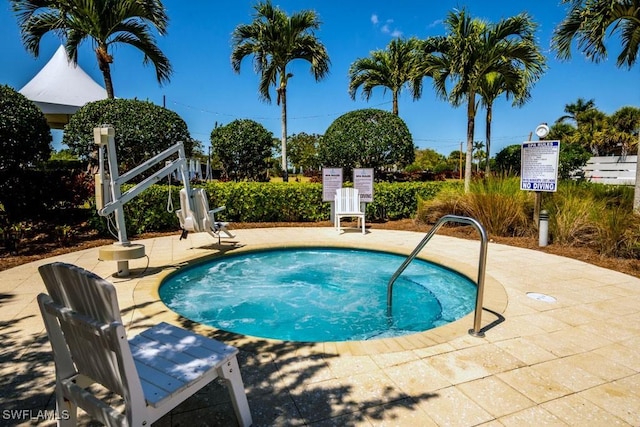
25, 137
496, 203
393, 201
142, 129
571, 158
572, 210
243, 148
618, 233
367, 138
44, 193
594, 215
429, 211
267, 202
508, 160
500, 205
580, 214
25, 142
614, 195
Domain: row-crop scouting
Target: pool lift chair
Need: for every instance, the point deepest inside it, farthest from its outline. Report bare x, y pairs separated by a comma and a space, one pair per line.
201, 218
194, 214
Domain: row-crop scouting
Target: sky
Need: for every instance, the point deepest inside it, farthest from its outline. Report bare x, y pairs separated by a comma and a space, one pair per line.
204, 89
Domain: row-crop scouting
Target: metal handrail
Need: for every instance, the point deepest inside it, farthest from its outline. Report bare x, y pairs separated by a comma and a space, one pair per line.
482, 263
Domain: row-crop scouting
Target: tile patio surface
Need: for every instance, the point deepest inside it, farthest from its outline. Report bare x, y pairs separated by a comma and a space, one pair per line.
574, 361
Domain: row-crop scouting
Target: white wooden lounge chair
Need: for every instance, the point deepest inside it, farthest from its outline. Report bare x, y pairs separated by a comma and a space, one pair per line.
152, 372
199, 217
347, 205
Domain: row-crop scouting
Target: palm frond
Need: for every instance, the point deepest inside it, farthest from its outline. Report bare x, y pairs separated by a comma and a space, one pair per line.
103, 22
589, 22
274, 40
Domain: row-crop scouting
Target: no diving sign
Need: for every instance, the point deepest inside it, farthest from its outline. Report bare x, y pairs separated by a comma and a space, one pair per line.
539, 168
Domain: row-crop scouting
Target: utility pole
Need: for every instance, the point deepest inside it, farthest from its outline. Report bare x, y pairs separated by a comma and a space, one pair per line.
460, 160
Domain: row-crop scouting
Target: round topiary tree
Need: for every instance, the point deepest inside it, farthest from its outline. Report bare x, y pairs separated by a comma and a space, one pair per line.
25, 141
244, 148
25, 137
367, 138
142, 128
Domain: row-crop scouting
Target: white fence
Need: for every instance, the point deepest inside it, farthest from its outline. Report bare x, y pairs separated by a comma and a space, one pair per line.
614, 170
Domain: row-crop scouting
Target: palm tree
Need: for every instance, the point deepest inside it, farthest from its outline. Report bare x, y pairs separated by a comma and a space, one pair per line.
626, 127
471, 51
616, 135
492, 86
589, 22
478, 153
275, 39
576, 110
104, 22
392, 68
590, 132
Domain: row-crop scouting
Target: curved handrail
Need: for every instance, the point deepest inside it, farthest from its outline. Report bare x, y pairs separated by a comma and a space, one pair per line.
482, 263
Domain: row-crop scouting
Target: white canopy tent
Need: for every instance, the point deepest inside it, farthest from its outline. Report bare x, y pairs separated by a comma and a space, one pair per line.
61, 88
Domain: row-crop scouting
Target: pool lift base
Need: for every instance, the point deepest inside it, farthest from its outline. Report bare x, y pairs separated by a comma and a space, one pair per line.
121, 254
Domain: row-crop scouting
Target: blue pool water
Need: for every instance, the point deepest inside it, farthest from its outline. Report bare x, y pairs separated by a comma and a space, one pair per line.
318, 294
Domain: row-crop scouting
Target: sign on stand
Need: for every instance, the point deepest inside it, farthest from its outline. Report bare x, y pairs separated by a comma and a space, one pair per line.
331, 181
539, 168
363, 182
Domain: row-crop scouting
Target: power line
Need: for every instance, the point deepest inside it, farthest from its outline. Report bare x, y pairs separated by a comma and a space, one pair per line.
217, 113
441, 142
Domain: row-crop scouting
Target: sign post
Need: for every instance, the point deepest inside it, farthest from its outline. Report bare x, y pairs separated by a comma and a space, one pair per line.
331, 181
539, 170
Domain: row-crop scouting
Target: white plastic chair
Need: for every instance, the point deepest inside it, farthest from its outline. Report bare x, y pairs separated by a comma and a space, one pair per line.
347, 205
153, 372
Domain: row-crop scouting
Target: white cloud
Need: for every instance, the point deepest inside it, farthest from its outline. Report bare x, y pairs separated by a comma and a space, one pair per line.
386, 28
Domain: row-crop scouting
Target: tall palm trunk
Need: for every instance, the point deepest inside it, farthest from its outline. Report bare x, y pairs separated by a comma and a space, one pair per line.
636, 193
283, 99
106, 73
471, 122
104, 59
395, 102
489, 117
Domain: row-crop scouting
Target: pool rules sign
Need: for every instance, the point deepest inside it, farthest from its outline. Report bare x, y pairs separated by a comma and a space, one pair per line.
539, 168
363, 181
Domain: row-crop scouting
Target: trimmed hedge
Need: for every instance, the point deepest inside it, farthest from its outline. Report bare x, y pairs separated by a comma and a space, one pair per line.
270, 202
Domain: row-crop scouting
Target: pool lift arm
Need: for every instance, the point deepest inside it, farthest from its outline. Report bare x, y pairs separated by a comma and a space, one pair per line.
110, 199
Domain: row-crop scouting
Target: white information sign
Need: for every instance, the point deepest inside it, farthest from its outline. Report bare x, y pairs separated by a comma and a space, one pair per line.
363, 181
539, 168
331, 181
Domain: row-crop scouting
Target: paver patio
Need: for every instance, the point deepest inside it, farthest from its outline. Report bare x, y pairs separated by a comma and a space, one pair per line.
574, 361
